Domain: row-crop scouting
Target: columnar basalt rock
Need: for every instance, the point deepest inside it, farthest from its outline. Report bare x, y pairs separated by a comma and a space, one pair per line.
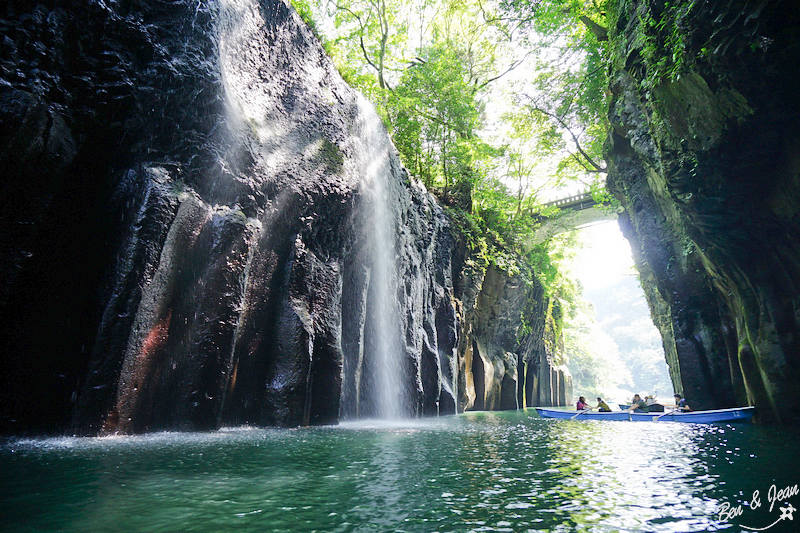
703, 157
508, 346
188, 205
208, 174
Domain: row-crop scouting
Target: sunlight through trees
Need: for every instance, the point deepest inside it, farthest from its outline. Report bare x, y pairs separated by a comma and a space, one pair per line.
497, 107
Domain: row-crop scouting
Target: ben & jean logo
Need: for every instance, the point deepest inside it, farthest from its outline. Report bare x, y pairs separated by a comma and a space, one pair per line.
726, 511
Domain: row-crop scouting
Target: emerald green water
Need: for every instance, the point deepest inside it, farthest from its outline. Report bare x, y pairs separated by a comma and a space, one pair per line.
508, 471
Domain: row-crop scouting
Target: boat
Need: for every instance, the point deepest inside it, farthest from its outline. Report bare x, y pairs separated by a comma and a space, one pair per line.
582, 415
736, 414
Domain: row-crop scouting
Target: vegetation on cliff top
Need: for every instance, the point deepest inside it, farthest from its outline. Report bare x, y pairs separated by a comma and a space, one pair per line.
492, 105
495, 106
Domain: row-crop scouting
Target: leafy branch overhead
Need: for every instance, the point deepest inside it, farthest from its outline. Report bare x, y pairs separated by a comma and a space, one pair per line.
492, 104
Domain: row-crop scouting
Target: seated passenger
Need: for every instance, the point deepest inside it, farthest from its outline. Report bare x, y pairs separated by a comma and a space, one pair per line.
582, 405
681, 404
602, 406
638, 405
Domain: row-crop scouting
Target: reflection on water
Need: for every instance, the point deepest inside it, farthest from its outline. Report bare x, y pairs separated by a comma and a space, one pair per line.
475, 472
624, 476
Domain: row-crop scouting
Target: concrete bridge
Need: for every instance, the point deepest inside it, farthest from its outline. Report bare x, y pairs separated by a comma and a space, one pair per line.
577, 202
575, 211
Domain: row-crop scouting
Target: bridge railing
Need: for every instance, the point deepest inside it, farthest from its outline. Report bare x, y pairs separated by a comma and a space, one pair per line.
574, 199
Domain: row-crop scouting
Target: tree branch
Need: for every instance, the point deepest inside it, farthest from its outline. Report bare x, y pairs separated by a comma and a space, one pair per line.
595, 166
513, 66
599, 31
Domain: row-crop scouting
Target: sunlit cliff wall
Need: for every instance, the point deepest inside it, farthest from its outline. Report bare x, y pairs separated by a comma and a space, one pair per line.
189, 206
704, 154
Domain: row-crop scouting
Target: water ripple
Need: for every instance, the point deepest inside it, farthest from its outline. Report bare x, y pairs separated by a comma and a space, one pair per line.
475, 472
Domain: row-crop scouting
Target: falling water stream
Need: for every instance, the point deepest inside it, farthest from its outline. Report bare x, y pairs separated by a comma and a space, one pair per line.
278, 143
383, 321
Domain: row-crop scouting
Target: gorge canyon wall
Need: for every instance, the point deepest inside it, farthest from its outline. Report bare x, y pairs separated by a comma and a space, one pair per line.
192, 199
704, 155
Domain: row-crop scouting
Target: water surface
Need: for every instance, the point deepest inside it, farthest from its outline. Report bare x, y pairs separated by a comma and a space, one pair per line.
509, 471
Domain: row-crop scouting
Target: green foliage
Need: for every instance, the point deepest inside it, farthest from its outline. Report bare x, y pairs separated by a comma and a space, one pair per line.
606, 201
548, 260
438, 70
637, 339
566, 98
370, 38
434, 115
664, 39
306, 12
593, 357
473, 236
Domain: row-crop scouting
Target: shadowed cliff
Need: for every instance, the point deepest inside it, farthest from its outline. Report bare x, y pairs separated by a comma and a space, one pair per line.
191, 203
190, 189
703, 154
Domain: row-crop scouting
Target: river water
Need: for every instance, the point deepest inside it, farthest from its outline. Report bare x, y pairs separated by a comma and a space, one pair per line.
506, 471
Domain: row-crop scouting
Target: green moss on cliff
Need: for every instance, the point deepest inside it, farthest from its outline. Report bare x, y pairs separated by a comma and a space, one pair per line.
701, 155
330, 156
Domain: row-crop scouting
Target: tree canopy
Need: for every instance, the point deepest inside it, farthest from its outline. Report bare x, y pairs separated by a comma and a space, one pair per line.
497, 104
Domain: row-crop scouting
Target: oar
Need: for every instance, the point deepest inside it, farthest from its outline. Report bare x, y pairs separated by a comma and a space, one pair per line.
581, 412
655, 418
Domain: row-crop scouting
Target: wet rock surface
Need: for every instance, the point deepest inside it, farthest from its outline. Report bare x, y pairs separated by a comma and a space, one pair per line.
704, 158
185, 193
188, 204
509, 343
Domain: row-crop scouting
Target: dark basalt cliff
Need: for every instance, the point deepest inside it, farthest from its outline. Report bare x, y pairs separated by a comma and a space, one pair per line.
503, 364
191, 201
704, 154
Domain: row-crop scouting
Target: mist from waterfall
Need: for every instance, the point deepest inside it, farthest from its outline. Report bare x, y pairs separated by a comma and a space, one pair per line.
277, 142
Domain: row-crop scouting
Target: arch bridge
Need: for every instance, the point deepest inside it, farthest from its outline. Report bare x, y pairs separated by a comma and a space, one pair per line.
576, 211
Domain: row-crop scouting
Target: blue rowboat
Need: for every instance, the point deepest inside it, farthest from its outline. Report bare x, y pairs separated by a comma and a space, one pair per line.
578, 415
736, 414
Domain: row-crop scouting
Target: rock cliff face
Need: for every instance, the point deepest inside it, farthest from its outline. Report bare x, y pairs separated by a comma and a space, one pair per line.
192, 205
704, 154
508, 343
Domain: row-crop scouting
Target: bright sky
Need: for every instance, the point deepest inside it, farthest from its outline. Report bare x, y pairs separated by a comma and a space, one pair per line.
605, 256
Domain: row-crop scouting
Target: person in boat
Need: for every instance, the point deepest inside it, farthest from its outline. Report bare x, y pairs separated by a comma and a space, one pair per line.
602, 406
652, 405
638, 405
582, 405
681, 404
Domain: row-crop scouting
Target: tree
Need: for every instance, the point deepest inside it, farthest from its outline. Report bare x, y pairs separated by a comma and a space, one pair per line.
567, 86
435, 115
369, 42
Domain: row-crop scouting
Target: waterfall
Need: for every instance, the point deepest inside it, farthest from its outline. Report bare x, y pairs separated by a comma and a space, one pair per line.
278, 141
383, 347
